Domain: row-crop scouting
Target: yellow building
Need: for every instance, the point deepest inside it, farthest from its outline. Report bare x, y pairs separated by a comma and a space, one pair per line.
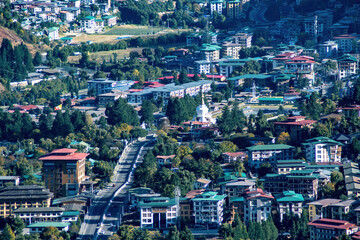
15, 197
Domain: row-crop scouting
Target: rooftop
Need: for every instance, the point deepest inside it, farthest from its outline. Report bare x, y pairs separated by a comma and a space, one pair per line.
48, 224
39, 209
269, 147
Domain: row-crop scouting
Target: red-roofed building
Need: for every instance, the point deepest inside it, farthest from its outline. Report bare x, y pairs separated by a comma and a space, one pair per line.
196, 124
165, 160
63, 171
349, 109
322, 229
345, 42
27, 107
279, 60
301, 65
295, 126
229, 156
257, 205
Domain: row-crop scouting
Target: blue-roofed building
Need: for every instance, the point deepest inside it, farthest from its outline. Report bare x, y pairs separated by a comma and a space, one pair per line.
209, 208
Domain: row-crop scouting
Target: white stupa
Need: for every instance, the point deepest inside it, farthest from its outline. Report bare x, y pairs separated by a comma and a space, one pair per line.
202, 113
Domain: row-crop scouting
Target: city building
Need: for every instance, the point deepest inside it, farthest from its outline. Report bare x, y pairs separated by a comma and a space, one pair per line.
302, 65
328, 49
101, 85
269, 153
209, 208
63, 171
345, 43
289, 202
322, 229
286, 166
88, 23
257, 205
319, 209
53, 33
159, 212
210, 52
109, 20
244, 39
229, 157
7, 181
110, 97
347, 66
66, 16
39, 227
304, 182
15, 197
229, 49
45, 214
311, 27
322, 149
296, 126
202, 183
136, 195
216, 6
164, 160
234, 9
237, 188
203, 66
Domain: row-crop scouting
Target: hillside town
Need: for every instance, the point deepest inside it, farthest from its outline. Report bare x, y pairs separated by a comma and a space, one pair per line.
182, 120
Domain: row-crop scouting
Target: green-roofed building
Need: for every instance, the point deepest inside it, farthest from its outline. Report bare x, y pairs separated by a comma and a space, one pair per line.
289, 202
159, 212
269, 153
209, 208
210, 52
303, 182
271, 100
137, 195
322, 150
40, 226
347, 66
286, 166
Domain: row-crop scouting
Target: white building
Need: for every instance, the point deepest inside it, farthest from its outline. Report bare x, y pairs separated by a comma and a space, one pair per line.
257, 205
269, 153
216, 6
322, 149
11, 180
347, 66
203, 114
328, 49
289, 202
88, 23
53, 33
203, 66
208, 208
159, 213
164, 160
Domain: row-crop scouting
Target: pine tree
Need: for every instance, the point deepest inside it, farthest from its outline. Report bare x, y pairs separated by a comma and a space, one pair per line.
8, 233
186, 234
37, 59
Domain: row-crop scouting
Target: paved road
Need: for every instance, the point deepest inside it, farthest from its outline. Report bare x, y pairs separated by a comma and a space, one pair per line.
97, 212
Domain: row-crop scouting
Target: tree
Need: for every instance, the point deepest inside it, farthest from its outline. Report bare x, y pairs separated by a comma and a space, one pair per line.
147, 112
8, 233
173, 234
121, 112
186, 234
37, 59
264, 169
321, 130
283, 138
227, 146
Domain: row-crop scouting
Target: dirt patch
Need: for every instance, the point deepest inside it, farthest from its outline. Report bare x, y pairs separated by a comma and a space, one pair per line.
14, 38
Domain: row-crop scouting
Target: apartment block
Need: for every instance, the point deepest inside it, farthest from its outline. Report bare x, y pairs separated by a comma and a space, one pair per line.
296, 126
63, 171
289, 202
322, 149
322, 229
46, 214
347, 66
257, 205
159, 213
209, 208
269, 153
6, 180
15, 197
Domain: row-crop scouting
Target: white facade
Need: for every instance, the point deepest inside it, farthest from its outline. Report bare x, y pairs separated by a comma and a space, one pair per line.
208, 208
203, 67
257, 205
323, 151
216, 6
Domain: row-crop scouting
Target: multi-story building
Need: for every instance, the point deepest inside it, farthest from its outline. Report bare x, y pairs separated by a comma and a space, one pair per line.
323, 229
201, 183
322, 149
109, 20
101, 85
257, 205
331, 208
296, 126
311, 26
286, 166
39, 227
304, 182
229, 49
9, 180
63, 171
328, 49
159, 213
216, 6
237, 188
110, 97
210, 52
88, 23
53, 33
203, 66
243, 39
45, 214
234, 9
137, 195
347, 66
301, 65
15, 197
269, 153
345, 43
208, 208
66, 16
289, 202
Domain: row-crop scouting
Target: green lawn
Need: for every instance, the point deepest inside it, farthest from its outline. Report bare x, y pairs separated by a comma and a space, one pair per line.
133, 31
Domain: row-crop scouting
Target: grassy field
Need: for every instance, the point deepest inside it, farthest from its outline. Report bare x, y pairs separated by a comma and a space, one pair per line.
100, 56
135, 30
